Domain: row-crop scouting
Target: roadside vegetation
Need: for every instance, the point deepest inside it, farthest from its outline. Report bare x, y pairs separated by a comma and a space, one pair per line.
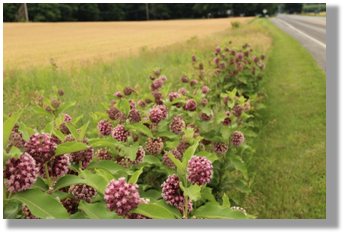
285, 147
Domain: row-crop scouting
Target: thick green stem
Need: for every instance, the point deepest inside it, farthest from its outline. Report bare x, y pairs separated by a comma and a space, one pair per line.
47, 173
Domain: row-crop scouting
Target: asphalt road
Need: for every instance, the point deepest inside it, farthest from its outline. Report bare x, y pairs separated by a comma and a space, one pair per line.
309, 31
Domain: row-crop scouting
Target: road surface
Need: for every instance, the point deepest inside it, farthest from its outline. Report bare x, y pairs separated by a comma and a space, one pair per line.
309, 31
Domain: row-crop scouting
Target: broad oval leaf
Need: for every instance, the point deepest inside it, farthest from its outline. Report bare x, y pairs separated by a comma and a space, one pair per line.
64, 107
225, 201
97, 211
41, 204
83, 131
213, 211
41, 111
12, 209
167, 134
70, 147
110, 166
210, 156
68, 180
40, 184
152, 194
73, 130
193, 191
124, 106
49, 127
131, 151
135, 176
108, 142
153, 211
189, 153
141, 128
239, 165
173, 210
94, 180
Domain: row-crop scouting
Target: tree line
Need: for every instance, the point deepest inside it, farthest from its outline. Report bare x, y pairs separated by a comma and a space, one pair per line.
67, 12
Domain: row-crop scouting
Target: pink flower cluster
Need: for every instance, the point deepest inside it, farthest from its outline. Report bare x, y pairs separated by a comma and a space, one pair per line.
20, 172
140, 154
40, 147
173, 195
121, 197
154, 146
177, 125
237, 138
104, 127
220, 148
57, 167
83, 192
119, 133
200, 170
84, 156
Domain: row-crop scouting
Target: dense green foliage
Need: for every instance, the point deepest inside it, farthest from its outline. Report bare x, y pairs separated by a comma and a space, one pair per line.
62, 12
315, 7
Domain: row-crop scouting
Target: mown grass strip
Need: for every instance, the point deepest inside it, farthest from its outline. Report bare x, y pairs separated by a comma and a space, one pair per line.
289, 168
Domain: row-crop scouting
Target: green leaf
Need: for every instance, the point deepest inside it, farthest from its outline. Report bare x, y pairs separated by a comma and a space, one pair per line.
152, 160
15, 152
131, 151
59, 134
70, 147
105, 174
41, 205
206, 111
239, 165
62, 195
106, 142
152, 194
8, 126
94, 180
141, 128
76, 120
97, 211
83, 131
193, 191
189, 153
102, 114
64, 107
225, 201
171, 144
173, 210
26, 132
78, 215
124, 106
12, 209
153, 211
49, 127
207, 194
110, 166
68, 180
40, 184
41, 111
210, 156
242, 186
73, 130
213, 211
221, 117
180, 167
167, 134
135, 176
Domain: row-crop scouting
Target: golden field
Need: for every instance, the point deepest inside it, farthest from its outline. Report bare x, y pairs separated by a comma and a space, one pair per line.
28, 45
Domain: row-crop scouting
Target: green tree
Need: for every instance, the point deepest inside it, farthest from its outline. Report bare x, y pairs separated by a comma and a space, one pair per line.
68, 11
43, 12
212, 10
111, 11
135, 11
9, 11
292, 8
88, 12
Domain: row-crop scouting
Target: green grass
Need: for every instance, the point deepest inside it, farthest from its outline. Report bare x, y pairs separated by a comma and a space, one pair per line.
289, 168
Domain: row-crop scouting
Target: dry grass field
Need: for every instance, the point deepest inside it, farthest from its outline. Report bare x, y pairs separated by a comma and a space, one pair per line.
35, 44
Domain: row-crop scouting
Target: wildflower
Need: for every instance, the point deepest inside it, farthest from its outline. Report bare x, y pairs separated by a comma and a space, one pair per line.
237, 138
200, 170
104, 127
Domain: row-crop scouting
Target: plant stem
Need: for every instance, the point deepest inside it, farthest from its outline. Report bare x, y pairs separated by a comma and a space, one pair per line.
47, 173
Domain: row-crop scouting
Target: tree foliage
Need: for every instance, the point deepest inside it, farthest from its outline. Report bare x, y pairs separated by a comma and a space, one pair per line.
69, 12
